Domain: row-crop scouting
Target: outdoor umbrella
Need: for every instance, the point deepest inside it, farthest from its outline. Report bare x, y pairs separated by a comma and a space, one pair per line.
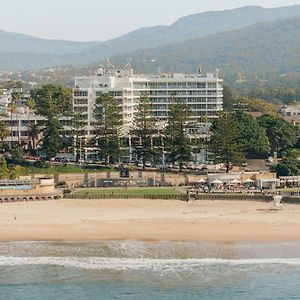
201, 180
217, 182
235, 181
249, 181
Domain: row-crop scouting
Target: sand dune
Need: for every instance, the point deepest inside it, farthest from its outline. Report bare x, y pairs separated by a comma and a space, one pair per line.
148, 220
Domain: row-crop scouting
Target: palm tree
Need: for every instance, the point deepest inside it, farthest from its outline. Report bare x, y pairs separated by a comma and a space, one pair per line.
30, 105
15, 99
34, 134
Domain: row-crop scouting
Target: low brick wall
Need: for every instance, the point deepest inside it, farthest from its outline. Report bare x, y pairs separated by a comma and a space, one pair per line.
232, 197
23, 198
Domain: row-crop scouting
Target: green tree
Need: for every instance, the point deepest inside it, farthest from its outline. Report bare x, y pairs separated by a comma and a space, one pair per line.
109, 124
177, 141
4, 132
235, 136
228, 98
34, 131
30, 105
288, 167
52, 101
280, 133
224, 141
4, 171
16, 171
12, 108
257, 105
15, 100
144, 128
52, 141
251, 137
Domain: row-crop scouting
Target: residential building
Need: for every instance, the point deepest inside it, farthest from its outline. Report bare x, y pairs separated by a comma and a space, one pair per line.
291, 113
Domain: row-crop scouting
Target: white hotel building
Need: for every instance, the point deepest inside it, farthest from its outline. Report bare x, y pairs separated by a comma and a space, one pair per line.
203, 94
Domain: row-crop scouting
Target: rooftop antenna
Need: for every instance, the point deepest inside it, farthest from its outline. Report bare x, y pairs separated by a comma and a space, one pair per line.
109, 65
200, 71
217, 73
129, 64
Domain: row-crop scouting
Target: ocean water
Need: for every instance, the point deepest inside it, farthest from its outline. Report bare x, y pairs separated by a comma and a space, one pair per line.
153, 270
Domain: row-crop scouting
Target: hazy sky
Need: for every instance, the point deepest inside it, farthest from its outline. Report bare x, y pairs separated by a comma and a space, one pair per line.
103, 19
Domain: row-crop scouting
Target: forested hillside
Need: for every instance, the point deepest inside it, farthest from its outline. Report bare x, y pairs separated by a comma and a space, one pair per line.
23, 52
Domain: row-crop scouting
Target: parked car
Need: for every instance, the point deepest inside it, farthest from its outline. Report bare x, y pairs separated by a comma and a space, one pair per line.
148, 164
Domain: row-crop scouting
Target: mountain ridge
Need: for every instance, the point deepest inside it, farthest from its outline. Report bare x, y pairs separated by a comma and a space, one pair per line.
259, 49
40, 53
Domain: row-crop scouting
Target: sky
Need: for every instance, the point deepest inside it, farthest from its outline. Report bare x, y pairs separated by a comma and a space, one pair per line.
85, 20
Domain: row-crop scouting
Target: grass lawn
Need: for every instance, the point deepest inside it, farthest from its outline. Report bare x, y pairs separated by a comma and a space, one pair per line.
294, 189
65, 169
129, 191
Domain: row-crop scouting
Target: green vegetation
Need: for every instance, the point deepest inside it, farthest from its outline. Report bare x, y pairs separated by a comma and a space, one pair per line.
280, 133
257, 105
52, 101
237, 136
144, 129
39, 53
129, 191
66, 169
177, 140
251, 137
109, 126
10, 171
288, 167
224, 143
258, 52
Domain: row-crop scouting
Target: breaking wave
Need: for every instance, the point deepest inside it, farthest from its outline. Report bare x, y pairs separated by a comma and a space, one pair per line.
119, 264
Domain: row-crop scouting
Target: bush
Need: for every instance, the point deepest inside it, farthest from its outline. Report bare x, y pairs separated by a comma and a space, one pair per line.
61, 184
67, 191
41, 164
288, 167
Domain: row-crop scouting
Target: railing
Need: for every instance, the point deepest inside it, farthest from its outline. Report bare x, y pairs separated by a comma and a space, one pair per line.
183, 197
232, 197
113, 196
19, 182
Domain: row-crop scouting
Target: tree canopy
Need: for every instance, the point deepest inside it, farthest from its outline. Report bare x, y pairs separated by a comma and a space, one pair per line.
144, 128
52, 100
177, 141
281, 134
108, 119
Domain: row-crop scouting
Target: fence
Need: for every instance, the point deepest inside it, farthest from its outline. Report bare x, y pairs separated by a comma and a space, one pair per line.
232, 197
114, 196
183, 197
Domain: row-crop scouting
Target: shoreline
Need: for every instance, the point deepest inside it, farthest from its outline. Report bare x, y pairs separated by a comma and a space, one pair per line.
149, 221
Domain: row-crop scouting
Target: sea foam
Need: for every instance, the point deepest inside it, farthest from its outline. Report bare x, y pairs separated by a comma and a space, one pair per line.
96, 263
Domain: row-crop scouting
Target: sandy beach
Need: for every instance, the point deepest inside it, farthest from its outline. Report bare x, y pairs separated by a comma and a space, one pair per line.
90, 220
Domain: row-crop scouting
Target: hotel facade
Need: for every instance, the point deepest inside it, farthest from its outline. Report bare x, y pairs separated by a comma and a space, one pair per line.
202, 94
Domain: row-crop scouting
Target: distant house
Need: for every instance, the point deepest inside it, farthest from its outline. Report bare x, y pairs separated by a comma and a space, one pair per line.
291, 113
